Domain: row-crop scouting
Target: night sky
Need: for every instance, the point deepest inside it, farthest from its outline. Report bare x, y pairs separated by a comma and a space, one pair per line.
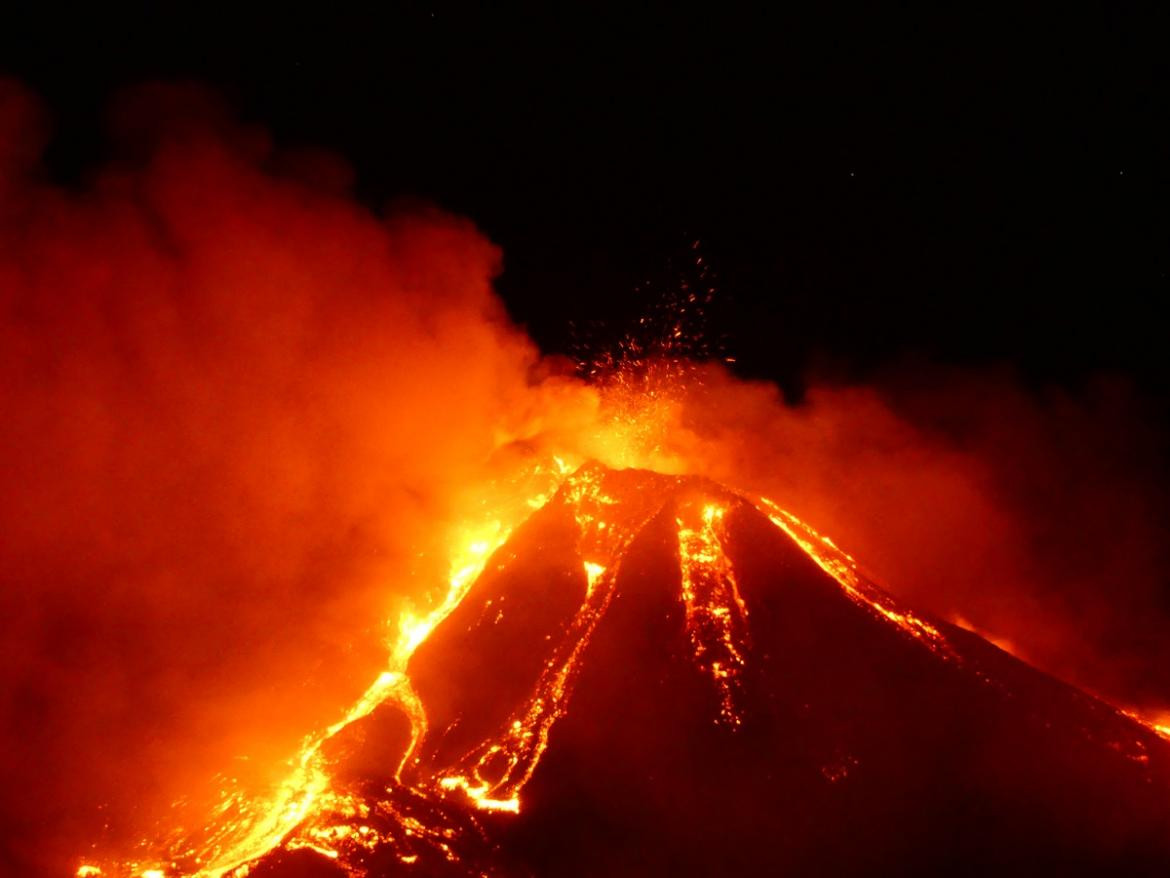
977, 187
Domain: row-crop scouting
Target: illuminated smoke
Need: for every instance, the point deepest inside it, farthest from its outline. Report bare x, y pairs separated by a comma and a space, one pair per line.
241, 415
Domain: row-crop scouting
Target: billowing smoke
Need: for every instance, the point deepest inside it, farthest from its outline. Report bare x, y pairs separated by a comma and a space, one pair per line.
240, 411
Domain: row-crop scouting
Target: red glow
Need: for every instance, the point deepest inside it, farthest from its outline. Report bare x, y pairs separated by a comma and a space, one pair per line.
262, 442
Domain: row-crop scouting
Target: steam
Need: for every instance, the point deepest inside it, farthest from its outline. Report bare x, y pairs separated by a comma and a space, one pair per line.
240, 411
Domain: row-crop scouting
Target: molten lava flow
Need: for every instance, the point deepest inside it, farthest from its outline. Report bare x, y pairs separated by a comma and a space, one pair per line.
716, 616
1160, 726
492, 775
309, 810
419, 811
305, 810
844, 569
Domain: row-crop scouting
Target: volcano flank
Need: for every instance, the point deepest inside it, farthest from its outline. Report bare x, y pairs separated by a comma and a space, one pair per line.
658, 675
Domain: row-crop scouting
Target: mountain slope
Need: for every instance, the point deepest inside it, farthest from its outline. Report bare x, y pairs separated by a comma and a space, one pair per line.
656, 675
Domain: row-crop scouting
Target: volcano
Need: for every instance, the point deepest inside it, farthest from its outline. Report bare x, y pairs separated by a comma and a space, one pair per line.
658, 675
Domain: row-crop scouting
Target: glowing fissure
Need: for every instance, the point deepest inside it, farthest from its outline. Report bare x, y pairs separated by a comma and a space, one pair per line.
843, 568
1160, 726
716, 616
493, 774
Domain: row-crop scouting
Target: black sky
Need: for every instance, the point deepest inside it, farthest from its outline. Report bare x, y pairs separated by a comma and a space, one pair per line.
974, 186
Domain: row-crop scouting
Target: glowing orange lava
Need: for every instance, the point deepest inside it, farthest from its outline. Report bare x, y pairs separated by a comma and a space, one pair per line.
300, 811
844, 569
716, 616
310, 810
493, 775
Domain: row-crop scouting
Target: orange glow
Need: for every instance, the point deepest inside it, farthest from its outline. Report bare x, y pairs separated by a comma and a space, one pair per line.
1003, 643
844, 569
308, 810
716, 616
267, 441
493, 775
593, 572
1160, 724
297, 813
